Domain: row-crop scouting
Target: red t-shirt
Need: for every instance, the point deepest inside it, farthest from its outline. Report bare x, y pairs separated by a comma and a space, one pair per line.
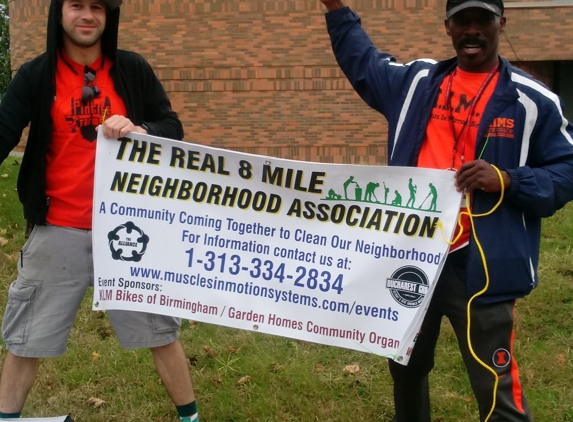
438, 143
71, 153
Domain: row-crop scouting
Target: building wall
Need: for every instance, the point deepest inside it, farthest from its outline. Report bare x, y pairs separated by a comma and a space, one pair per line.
259, 76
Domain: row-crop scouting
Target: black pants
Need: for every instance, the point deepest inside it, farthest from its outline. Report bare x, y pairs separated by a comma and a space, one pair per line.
492, 341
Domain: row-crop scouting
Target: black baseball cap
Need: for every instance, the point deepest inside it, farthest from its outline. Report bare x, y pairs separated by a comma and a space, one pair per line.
454, 6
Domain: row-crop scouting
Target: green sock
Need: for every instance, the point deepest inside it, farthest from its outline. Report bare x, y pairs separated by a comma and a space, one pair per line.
188, 412
10, 415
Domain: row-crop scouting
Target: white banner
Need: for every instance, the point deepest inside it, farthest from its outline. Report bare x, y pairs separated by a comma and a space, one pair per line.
54, 419
343, 255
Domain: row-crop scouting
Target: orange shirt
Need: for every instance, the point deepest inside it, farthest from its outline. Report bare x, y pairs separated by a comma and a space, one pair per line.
71, 154
438, 145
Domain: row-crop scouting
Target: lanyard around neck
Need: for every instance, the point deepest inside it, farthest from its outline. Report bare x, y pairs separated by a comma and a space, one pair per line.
470, 114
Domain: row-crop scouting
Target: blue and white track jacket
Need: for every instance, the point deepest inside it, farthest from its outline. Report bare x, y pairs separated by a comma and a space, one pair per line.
536, 151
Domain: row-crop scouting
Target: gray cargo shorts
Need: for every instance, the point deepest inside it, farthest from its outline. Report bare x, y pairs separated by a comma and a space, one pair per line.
55, 268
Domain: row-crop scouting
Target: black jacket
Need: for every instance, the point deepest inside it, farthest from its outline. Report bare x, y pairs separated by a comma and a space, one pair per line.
30, 94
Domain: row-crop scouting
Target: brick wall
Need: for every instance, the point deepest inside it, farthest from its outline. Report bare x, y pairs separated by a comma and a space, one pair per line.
260, 76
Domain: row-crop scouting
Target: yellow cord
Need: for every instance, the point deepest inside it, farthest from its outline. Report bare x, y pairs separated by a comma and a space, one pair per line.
482, 291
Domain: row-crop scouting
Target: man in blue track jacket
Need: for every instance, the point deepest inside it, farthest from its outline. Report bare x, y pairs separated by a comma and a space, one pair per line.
469, 114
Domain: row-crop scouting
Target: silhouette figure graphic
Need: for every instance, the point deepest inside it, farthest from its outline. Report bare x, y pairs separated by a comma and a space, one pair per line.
412, 188
348, 182
370, 187
397, 199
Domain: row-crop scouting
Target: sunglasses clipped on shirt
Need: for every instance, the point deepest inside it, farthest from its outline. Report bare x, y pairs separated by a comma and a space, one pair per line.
90, 90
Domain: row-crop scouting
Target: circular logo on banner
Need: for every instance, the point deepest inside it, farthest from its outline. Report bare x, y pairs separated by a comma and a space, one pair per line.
127, 242
408, 286
501, 358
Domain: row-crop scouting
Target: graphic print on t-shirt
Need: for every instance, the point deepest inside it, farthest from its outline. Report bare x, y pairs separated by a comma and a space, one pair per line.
85, 116
76, 119
438, 146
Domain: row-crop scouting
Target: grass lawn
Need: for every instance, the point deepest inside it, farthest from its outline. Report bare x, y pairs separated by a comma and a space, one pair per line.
246, 376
